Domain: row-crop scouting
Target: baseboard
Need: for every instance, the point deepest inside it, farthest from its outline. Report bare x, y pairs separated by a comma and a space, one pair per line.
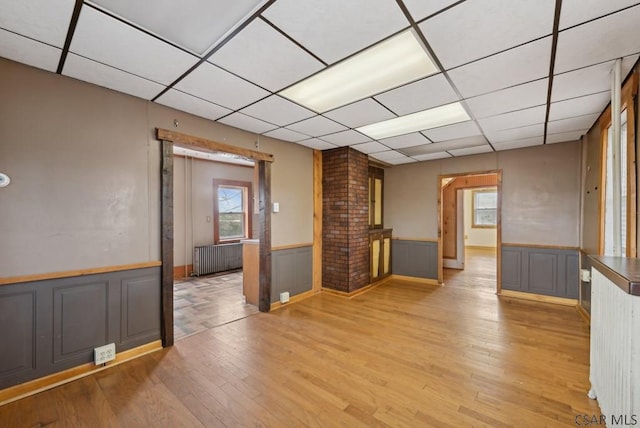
357, 292
584, 314
180, 272
35, 386
429, 281
480, 247
293, 299
538, 298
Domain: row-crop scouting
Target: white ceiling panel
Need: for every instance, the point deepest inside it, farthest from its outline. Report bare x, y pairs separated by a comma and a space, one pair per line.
247, 123
451, 132
264, 56
514, 119
514, 98
401, 161
317, 144
202, 22
346, 138
565, 136
317, 126
588, 80
432, 156
529, 142
220, 87
513, 67
597, 41
580, 106
479, 28
471, 150
572, 124
107, 40
326, 27
190, 104
278, 110
286, 135
460, 143
360, 113
406, 140
102, 75
43, 20
578, 11
421, 95
371, 147
388, 156
513, 134
420, 9
27, 51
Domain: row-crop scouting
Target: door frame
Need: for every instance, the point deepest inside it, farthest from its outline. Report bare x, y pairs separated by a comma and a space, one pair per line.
441, 178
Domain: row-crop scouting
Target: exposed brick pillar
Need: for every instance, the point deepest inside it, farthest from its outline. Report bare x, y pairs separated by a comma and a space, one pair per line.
345, 211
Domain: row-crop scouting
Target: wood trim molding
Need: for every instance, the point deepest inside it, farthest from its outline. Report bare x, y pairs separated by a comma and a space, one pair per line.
317, 222
35, 386
293, 299
357, 292
264, 235
585, 316
292, 246
166, 242
538, 298
183, 271
428, 281
553, 247
77, 272
399, 238
203, 143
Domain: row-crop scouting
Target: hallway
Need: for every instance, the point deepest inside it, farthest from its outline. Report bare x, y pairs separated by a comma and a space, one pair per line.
479, 272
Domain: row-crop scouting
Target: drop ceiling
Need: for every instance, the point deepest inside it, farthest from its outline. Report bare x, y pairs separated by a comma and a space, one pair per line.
232, 62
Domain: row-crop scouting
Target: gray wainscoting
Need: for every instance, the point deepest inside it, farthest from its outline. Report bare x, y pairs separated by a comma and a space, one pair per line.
291, 270
52, 325
546, 271
418, 259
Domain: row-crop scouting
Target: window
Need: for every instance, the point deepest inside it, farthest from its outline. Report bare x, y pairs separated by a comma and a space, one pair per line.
485, 208
232, 210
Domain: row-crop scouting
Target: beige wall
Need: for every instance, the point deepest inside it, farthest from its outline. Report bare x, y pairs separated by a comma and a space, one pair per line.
476, 236
540, 199
84, 164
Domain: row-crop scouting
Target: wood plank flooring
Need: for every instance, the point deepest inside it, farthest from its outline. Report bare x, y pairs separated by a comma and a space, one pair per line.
403, 354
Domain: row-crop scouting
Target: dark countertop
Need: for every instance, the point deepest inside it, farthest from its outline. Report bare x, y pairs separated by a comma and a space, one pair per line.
622, 271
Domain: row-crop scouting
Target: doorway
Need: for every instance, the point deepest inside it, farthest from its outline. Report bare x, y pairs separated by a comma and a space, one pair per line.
469, 229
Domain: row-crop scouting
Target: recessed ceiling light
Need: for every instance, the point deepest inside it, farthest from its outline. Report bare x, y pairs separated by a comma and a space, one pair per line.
389, 64
419, 121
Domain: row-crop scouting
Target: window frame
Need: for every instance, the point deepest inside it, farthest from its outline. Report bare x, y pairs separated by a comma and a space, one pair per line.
247, 209
475, 225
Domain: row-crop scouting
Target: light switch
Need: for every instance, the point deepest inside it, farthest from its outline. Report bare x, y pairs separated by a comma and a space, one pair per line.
276, 207
208, 219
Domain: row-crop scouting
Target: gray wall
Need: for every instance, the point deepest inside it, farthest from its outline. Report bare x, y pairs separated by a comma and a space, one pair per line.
418, 259
291, 270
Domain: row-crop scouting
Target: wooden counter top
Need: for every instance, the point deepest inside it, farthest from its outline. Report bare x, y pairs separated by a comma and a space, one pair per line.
622, 271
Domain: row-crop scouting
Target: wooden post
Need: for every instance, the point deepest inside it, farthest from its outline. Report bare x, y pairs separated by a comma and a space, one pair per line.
166, 246
317, 221
264, 191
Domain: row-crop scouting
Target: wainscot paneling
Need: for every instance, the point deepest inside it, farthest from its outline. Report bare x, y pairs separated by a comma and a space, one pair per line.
53, 325
418, 259
541, 270
291, 270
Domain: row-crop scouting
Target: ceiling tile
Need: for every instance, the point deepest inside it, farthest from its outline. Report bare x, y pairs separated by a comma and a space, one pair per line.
432, 156
421, 95
107, 40
565, 136
346, 138
588, 80
513, 67
450, 132
572, 123
326, 27
528, 142
220, 87
247, 123
102, 75
513, 134
317, 144
471, 150
360, 113
515, 119
485, 27
406, 140
202, 22
578, 11
514, 98
317, 126
371, 147
459, 143
420, 9
597, 41
401, 161
286, 135
388, 156
27, 51
43, 20
262, 55
190, 104
276, 109
580, 106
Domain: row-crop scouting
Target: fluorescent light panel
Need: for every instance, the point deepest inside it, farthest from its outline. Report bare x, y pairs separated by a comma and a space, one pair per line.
419, 121
391, 63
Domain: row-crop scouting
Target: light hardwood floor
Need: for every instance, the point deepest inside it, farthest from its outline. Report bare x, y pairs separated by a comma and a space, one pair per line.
402, 354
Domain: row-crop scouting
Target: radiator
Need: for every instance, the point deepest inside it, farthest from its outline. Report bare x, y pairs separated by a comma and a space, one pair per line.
615, 346
216, 258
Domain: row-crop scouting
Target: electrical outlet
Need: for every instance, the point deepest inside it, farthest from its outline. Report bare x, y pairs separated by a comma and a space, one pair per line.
284, 297
103, 354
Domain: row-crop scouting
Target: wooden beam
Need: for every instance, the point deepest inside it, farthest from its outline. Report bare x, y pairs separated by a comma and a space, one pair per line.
166, 246
317, 221
264, 190
203, 143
